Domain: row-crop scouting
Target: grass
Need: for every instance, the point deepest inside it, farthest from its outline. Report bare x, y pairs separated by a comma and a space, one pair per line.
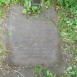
4, 68
41, 71
2, 45
68, 26
68, 30
2, 49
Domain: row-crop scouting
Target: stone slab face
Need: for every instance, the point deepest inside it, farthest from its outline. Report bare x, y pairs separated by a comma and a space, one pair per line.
34, 40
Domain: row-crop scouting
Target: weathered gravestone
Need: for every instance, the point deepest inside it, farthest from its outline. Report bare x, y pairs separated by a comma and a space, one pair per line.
34, 41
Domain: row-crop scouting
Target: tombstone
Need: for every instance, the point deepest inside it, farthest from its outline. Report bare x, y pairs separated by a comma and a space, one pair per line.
34, 41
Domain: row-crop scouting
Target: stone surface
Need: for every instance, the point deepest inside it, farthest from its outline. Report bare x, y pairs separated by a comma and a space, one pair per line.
52, 15
34, 40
